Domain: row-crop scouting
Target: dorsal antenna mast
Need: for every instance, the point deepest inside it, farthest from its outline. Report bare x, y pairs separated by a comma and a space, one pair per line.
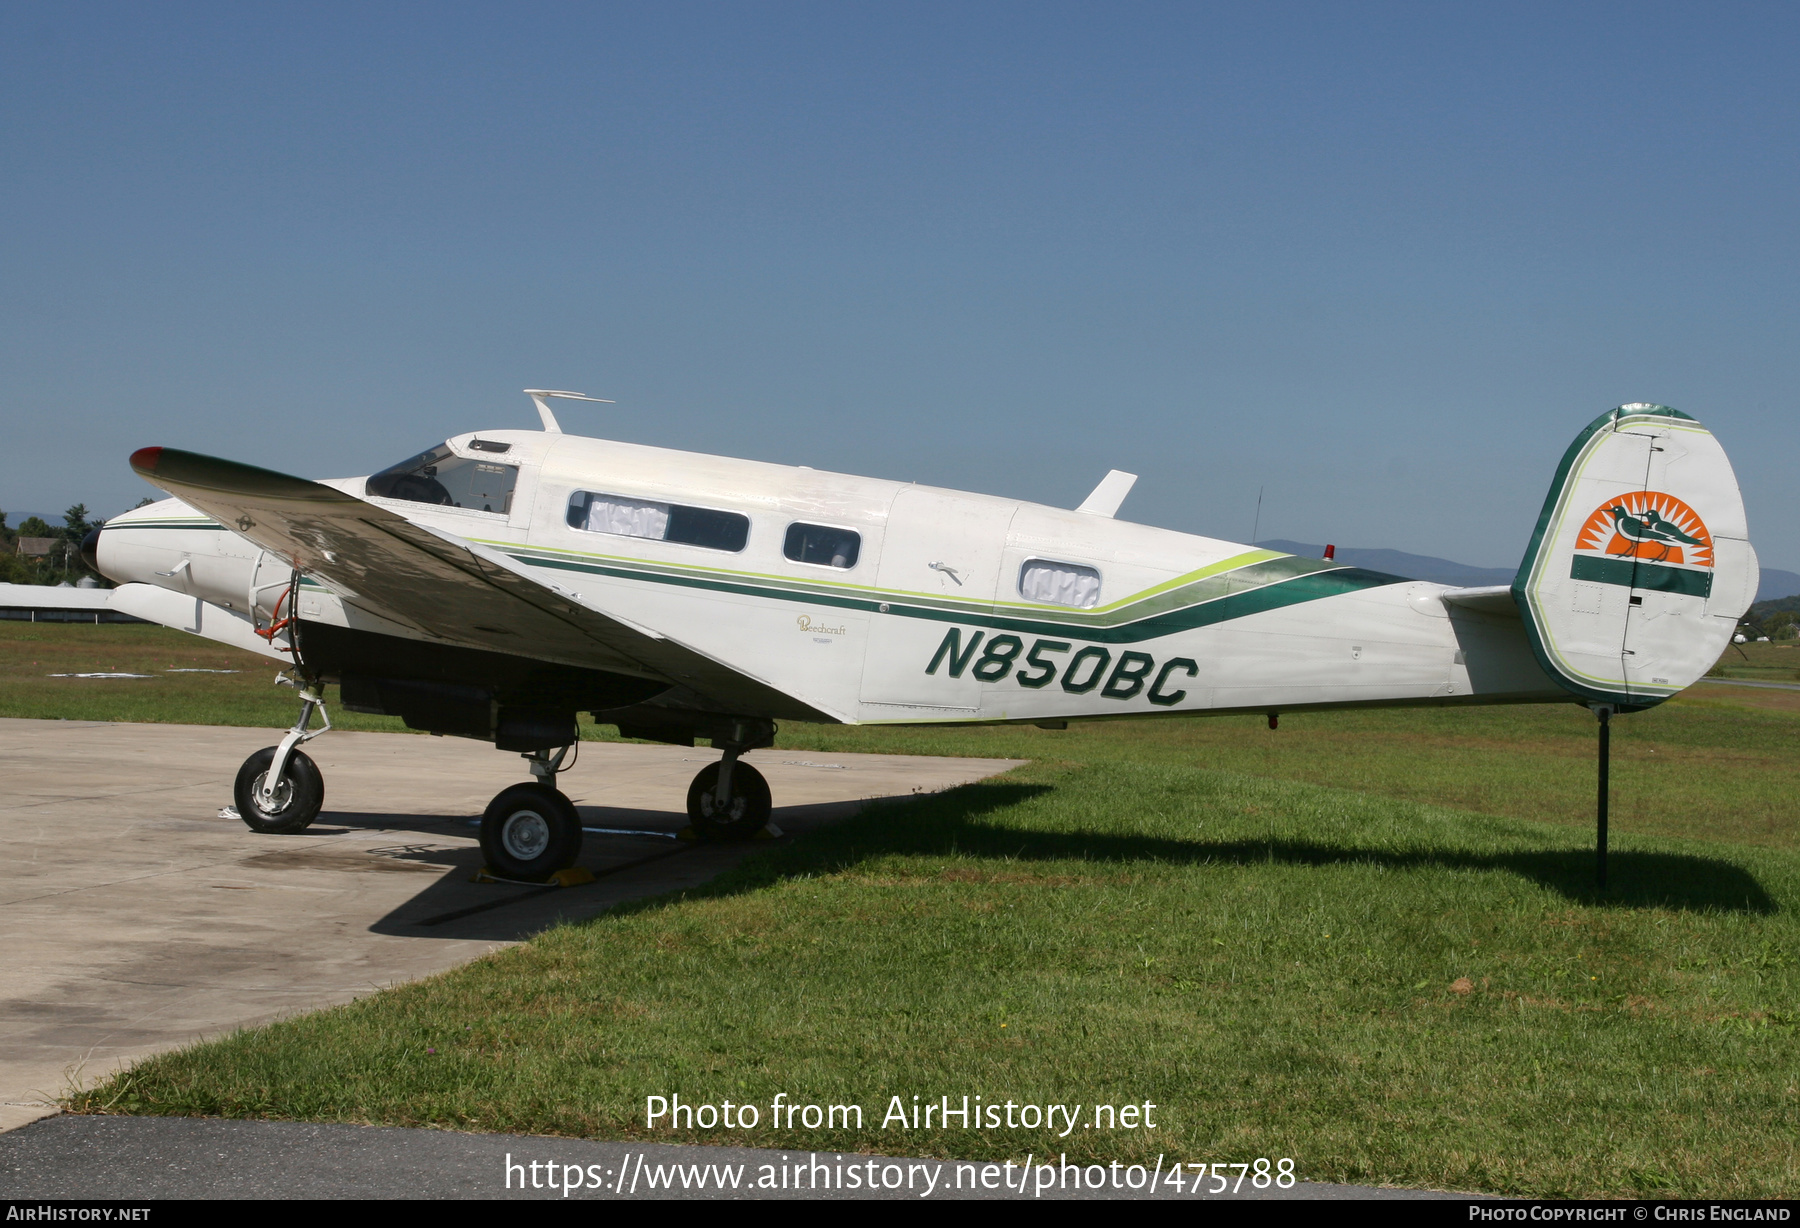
538, 396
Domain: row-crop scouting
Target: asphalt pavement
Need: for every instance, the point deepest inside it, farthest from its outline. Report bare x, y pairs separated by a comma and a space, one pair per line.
137, 918
127, 1158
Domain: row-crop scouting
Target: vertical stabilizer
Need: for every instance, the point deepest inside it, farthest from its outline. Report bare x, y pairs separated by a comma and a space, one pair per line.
1641, 563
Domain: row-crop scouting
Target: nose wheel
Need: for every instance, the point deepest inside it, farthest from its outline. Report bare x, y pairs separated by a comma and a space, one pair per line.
279, 789
289, 803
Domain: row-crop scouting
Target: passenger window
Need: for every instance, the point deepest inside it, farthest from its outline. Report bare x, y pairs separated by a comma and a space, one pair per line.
441, 477
1068, 584
812, 543
668, 522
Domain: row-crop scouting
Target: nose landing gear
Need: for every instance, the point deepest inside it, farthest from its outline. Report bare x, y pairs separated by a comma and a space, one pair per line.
729, 800
532, 830
279, 788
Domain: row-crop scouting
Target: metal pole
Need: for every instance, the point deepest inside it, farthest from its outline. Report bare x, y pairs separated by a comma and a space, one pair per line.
1605, 714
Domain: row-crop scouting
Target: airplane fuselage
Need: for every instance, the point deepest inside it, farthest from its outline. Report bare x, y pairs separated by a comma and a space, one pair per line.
856, 599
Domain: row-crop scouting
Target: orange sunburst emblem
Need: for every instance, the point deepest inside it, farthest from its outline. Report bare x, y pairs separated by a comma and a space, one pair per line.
1648, 525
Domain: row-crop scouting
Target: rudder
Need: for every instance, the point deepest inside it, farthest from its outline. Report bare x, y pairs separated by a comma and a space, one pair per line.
1641, 564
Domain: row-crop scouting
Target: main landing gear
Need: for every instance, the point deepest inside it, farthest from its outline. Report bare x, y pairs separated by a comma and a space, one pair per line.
279, 788
530, 831
729, 800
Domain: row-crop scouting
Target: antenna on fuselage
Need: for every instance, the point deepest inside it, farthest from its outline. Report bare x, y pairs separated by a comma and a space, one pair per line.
537, 396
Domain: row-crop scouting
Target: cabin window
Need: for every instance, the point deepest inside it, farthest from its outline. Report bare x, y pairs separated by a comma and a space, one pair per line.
441, 477
1053, 583
815, 543
666, 522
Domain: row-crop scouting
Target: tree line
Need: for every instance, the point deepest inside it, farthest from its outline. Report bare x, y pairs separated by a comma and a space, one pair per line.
63, 564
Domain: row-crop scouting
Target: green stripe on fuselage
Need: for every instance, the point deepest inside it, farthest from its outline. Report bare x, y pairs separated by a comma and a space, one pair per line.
1218, 598
1249, 583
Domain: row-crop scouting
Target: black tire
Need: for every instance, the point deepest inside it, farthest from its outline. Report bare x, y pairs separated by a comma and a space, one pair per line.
529, 832
745, 812
298, 797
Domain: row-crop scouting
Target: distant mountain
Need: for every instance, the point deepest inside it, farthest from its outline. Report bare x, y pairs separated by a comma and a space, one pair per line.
1775, 582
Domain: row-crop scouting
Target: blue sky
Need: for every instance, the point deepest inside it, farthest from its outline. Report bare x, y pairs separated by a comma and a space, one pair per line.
1381, 260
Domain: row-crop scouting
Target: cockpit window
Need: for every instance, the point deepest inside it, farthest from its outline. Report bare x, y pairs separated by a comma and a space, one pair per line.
448, 480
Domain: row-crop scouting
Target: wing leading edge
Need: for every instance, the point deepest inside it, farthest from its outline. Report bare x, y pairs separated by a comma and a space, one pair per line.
444, 587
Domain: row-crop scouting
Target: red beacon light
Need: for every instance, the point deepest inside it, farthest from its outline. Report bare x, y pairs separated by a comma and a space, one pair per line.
1330, 553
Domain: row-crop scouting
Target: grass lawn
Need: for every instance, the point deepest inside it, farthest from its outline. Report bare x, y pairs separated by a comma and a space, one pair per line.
1367, 941
1771, 662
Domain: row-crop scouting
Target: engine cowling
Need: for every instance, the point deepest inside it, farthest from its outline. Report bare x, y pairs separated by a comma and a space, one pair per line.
173, 546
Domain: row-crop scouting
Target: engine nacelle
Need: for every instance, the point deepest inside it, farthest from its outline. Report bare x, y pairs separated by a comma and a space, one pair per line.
173, 546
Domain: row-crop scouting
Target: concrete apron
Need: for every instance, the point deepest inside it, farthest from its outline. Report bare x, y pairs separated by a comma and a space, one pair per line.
135, 920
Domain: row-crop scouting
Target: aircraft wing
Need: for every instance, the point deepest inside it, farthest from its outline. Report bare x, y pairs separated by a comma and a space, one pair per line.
444, 587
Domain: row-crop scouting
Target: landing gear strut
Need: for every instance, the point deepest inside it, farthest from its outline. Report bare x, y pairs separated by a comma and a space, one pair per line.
729, 800
279, 788
532, 830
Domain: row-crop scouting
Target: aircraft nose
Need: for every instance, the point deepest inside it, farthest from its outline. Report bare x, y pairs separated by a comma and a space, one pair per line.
90, 551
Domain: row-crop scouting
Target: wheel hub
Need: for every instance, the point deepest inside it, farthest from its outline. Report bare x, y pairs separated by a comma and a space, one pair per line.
730, 812
280, 796
525, 835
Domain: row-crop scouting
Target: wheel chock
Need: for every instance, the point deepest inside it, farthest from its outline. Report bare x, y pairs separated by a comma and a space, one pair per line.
574, 876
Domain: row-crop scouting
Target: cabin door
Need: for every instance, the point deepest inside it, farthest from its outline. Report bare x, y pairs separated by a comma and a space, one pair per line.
940, 566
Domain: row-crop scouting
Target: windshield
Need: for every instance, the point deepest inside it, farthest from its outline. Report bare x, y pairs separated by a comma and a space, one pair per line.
440, 476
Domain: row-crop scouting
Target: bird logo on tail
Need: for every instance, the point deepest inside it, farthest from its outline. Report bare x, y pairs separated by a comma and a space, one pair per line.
1648, 525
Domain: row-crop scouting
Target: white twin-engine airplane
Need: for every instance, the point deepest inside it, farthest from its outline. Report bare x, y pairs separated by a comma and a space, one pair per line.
501, 582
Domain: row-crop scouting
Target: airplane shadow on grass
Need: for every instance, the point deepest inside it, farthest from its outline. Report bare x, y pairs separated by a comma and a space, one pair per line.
959, 822
953, 823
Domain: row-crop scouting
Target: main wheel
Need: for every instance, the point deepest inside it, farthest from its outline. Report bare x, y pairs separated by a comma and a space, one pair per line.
298, 794
530, 832
746, 809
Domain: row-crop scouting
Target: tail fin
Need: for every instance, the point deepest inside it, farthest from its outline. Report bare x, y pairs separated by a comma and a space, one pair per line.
1641, 563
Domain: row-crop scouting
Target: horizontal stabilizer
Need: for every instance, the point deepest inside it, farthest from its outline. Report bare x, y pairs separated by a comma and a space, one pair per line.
1109, 494
1491, 599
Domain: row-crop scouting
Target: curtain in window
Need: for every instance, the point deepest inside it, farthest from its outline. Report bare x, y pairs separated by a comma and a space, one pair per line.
1059, 584
630, 517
